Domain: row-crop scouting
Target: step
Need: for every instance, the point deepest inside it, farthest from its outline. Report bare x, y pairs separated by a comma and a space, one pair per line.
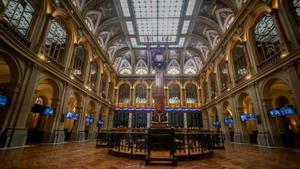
161, 161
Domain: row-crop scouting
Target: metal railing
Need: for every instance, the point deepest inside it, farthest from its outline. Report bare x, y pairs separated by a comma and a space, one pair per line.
182, 142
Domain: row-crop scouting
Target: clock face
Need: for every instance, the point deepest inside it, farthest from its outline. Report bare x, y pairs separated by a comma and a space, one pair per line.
159, 57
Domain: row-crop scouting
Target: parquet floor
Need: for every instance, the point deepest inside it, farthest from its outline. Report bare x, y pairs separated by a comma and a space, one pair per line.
86, 156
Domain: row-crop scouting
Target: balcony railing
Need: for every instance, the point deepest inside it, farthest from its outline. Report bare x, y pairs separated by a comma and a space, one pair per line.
269, 61
13, 32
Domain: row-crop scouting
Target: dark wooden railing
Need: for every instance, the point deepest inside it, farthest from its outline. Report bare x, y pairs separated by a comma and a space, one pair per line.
13, 32
186, 144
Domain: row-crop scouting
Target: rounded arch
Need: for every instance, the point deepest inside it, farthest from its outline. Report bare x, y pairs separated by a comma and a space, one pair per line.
140, 82
70, 26
251, 21
53, 82
268, 82
276, 87
190, 82
12, 64
230, 46
87, 47
124, 82
174, 82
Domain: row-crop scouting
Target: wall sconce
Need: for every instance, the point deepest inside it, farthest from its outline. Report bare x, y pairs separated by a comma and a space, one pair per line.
41, 56
284, 54
248, 76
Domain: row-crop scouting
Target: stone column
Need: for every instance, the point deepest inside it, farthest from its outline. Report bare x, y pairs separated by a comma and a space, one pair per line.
182, 97
205, 121
52, 135
17, 131
131, 103
77, 132
13, 91
39, 41
272, 137
241, 135
148, 97
285, 45
148, 119
130, 120
185, 125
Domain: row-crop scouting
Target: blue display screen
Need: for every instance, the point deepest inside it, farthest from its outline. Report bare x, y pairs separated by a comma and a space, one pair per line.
89, 120
216, 123
282, 111
3, 100
48, 111
100, 122
75, 116
228, 121
247, 117
69, 115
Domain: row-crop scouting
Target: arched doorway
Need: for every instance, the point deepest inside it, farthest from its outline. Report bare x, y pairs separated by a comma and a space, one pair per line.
248, 117
281, 111
228, 121
72, 118
41, 111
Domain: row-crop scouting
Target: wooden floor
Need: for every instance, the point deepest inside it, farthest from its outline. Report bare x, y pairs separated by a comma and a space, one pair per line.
86, 156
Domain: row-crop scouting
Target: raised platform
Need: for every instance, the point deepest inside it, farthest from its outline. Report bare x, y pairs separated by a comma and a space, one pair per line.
180, 144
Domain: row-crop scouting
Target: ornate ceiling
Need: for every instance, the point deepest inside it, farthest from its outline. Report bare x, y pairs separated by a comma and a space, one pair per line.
186, 31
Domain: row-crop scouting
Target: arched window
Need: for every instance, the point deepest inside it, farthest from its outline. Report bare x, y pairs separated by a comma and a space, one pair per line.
19, 14
93, 74
124, 93
239, 62
80, 62
174, 93
224, 74
267, 40
56, 41
140, 93
191, 93
213, 85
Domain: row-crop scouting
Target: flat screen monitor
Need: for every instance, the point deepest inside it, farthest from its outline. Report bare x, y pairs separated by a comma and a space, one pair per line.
287, 110
274, 113
251, 116
216, 123
247, 117
244, 117
69, 115
75, 116
48, 111
100, 122
89, 120
3, 101
228, 121
282, 111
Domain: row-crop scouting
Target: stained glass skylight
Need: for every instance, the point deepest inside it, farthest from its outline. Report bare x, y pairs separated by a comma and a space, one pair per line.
157, 21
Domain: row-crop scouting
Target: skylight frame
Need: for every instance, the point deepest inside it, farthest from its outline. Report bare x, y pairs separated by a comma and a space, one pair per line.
155, 34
